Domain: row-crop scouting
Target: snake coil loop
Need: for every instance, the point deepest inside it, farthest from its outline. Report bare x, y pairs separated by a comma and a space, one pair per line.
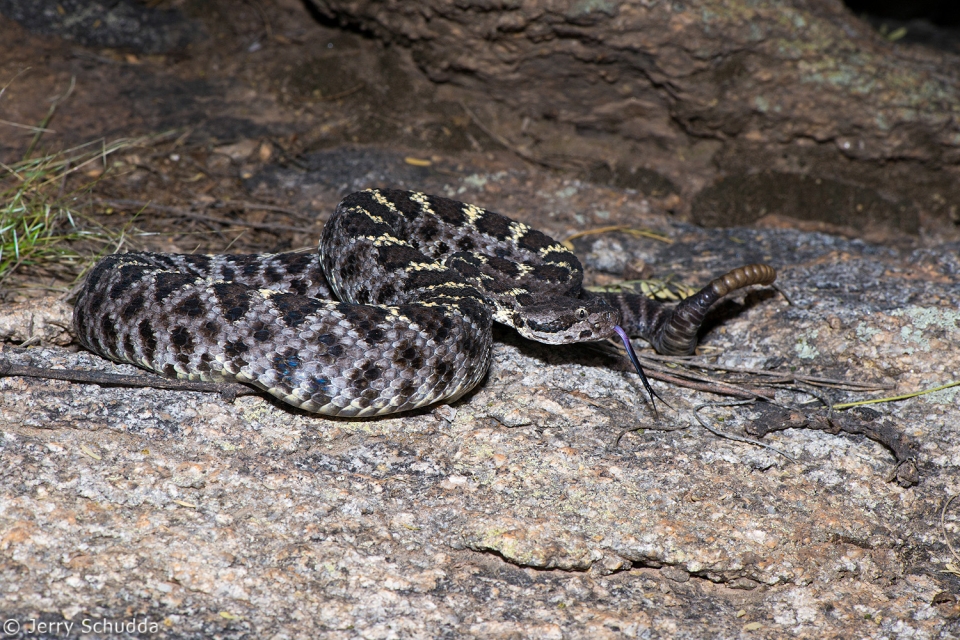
393, 313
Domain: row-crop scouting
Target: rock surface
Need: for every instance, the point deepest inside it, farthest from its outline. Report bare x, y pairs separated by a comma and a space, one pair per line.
516, 512
548, 503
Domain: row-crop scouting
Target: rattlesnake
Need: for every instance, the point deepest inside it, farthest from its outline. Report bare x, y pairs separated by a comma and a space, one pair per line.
394, 312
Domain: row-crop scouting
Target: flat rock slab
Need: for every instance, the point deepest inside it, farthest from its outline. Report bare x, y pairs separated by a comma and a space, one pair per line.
548, 503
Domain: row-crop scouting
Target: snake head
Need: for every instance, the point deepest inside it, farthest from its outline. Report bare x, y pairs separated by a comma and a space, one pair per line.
567, 320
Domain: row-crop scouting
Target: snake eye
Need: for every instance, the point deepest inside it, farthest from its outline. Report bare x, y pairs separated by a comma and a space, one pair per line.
581, 313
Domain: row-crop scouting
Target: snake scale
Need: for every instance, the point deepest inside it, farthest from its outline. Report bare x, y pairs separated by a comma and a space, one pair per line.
393, 312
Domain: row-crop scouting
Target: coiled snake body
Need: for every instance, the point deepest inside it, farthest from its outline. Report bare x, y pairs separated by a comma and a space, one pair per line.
417, 281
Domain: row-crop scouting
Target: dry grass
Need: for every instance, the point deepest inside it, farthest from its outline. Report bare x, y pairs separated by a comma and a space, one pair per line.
45, 227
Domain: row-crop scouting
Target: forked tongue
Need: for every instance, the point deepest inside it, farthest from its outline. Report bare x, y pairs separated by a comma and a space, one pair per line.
636, 365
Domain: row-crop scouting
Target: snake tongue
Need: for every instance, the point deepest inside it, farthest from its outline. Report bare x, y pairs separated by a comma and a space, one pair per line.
636, 365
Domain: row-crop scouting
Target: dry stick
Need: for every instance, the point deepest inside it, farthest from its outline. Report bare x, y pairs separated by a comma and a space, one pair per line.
27, 127
207, 224
720, 434
905, 396
786, 377
799, 388
890, 439
255, 206
709, 387
639, 427
343, 94
882, 431
692, 381
782, 292
184, 213
702, 383
228, 390
943, 528
267, 27
603, 409
46, 121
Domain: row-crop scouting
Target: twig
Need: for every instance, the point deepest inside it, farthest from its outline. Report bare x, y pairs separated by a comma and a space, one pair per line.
693, 381
951, 567
46, 121
228, 390
720, 434
257, 206
27, 127
267, 27
778, 418
688, 361
822, 399
342, 94
782, 292
905, 396
700, 383
200, 217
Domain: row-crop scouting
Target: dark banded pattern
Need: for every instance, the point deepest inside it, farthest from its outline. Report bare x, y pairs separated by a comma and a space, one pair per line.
394, 312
